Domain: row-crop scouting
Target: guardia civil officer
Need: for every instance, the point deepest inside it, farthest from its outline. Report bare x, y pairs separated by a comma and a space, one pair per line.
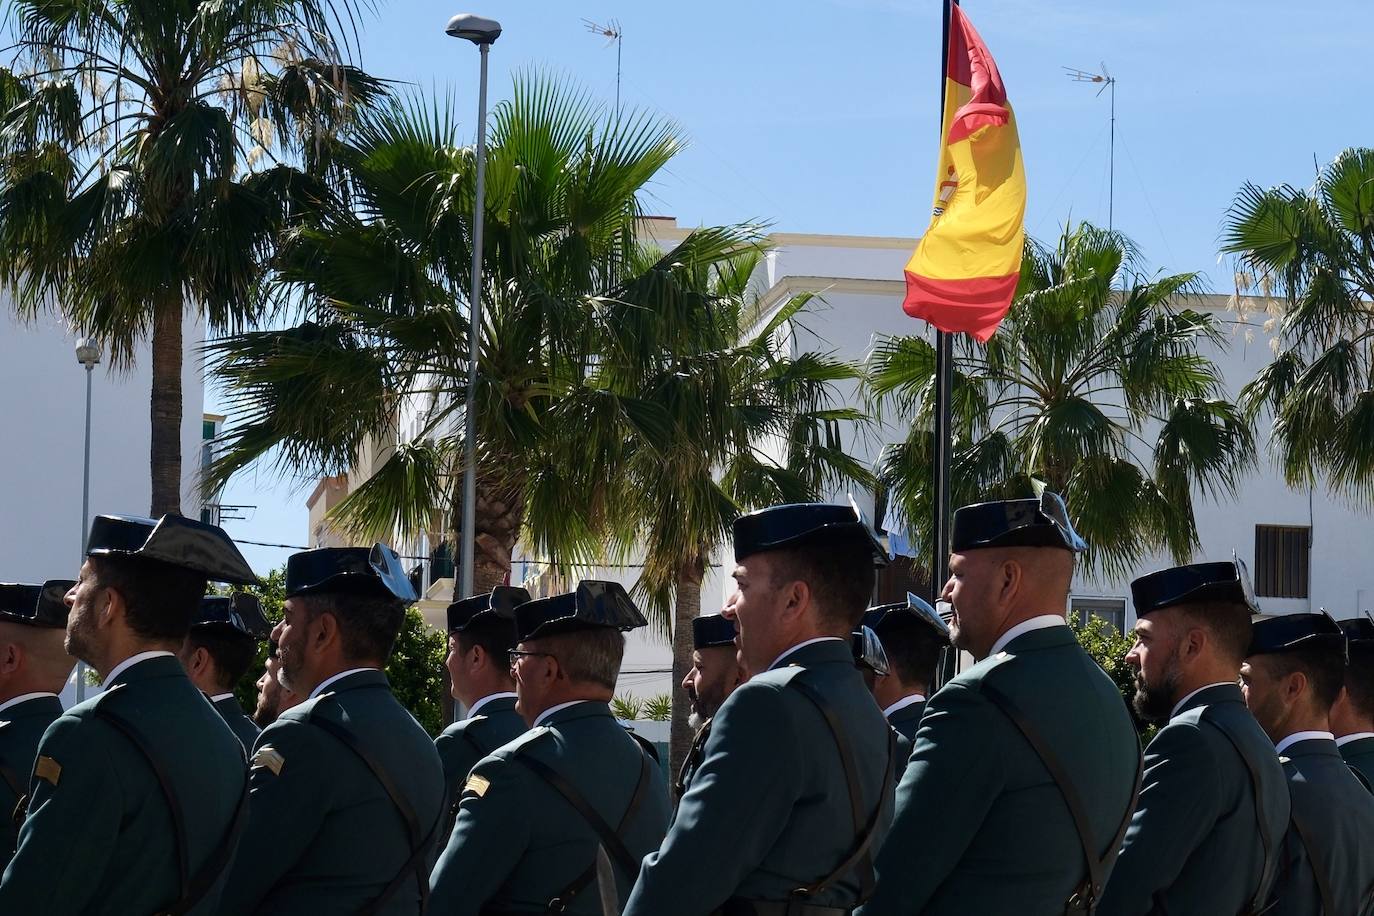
273, 698
1213, 805
913, 636
1352, 715
222, 643
1290, 679
34, 666
347, 790
982, 823
137, 794
481, 633
533, 814
794, 790
715, 673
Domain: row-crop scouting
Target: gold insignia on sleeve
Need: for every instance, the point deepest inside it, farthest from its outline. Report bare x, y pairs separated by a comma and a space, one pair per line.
477, 785
268, 756
48, 769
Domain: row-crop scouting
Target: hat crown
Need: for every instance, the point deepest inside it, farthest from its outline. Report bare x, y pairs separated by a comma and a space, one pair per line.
1285, 632
1223, 581
792, 524
173, 539
372, 570
1041, 521
712, 630
595, 604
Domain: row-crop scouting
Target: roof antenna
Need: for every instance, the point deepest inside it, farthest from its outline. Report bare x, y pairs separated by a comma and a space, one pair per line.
612, 32
1108, 82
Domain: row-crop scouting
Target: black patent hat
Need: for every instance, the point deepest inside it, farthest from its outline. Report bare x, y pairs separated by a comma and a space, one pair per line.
1358, 631
913, 611
1225, 582
795, 523
1038, 522
499, 604
868, 651
374, 570
712, 630
238, 613
1285, 632
595, 605
35, 605
173, 539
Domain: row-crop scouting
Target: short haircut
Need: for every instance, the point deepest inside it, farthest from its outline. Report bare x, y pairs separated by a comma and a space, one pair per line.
495, 637
368, 624
1228, 622
839, 572
912, 648
1323, 665
160, 599
591, 655
1359, 679
232, 653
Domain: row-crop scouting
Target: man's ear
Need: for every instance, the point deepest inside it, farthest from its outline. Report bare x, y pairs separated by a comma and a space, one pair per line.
10, 658
1293, 685
796, 596
323, 631
1011, 574
1192, 643
115, 607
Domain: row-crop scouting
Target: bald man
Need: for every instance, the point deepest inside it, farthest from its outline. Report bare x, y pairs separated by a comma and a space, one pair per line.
34, 666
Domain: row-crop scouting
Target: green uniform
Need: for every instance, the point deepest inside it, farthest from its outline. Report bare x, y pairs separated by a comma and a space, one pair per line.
1331, 833
98, 838
1360, 755
695, 754
981, 826
1194, 847
462, 744
768, 810
904, 722
518, 843
243, 727
323, 835
21, 728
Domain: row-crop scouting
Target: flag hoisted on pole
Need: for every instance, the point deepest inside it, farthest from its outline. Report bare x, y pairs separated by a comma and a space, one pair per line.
964, 272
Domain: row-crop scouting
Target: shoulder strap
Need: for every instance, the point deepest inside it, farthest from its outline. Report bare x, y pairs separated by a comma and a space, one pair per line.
1319, 871
864, 828
1355, 771
645, 745
418, 843
193, 887
1267, 844
1099, 865
692, 760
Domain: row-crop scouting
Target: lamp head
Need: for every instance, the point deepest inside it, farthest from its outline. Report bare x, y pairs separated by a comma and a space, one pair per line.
88, 351
477, 29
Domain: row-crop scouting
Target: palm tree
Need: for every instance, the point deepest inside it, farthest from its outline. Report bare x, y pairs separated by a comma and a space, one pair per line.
144, 150
749, 424
1314, 250
1099, 390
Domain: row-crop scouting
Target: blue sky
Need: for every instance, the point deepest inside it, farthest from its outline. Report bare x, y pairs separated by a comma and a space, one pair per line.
821, 115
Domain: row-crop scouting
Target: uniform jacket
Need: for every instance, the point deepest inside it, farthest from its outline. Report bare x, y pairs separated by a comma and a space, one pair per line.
768, 810
464, 743
323, 836
99, 838
21, 728
1194, 846
1338, 816
1360, 755
974, 786
517, 844
238, 721
905, 722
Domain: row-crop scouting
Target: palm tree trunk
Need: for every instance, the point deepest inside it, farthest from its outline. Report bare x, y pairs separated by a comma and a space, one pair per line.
499, 517
166, 406
686, 606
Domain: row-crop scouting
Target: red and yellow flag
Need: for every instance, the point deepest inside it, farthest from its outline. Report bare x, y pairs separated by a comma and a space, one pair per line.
964, 271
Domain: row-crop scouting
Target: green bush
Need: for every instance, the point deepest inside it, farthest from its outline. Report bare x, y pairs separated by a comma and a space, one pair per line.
628, 707
1108, 647
659, 708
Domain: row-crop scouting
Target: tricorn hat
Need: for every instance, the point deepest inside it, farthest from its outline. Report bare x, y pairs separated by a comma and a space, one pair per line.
35, 605
1038, 522
913, 611
239, 613
795, 523
1358, 630
711, 630
1286, 632
348, 571
500, 603
173, 539
596, 604
1227, 582
868, 651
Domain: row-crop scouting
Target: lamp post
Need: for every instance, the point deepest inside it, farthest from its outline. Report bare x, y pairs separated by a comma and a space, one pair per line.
481, 32
87, 354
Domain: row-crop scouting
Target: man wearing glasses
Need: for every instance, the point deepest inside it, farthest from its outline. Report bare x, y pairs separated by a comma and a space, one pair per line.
558, 820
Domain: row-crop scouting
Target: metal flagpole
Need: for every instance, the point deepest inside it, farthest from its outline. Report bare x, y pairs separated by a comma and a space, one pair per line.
944, 379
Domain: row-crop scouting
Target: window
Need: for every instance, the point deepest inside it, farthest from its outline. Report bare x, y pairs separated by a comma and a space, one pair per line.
1112, 610
1282, 554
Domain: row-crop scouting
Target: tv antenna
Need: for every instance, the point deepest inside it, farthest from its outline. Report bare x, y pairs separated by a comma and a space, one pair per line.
1106, 81
612, 32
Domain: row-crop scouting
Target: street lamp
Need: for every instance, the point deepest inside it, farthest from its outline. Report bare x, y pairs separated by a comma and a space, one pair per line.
481, 32
87, 354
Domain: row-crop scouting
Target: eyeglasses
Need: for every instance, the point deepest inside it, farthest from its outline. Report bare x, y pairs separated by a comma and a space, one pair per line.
514, 655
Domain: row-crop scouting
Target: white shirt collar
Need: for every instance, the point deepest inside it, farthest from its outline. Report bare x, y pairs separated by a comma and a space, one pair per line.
222, 696
801, 645
1193, 693
539, 720
24, 698
1342, 740
129, 662
1044, 621
329, 680
487, 699
1294, 738
903, 703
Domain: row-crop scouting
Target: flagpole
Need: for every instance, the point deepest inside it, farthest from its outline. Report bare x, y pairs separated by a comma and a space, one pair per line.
944, 380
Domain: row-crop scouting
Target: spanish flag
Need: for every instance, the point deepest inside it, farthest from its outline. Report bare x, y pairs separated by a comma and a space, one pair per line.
964, 272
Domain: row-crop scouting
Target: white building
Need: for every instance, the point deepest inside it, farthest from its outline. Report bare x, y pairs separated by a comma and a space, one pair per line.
1306, 550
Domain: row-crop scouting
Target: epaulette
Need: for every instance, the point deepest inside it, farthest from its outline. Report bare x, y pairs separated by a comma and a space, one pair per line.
530, 737
780, 677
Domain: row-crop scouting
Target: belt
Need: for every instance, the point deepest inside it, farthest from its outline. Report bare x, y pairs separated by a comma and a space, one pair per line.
738, 906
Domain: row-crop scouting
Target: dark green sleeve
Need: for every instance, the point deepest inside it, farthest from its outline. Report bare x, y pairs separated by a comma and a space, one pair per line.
954, 775
488, 839
738, 804
1179, 794
65, 843
285, 811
